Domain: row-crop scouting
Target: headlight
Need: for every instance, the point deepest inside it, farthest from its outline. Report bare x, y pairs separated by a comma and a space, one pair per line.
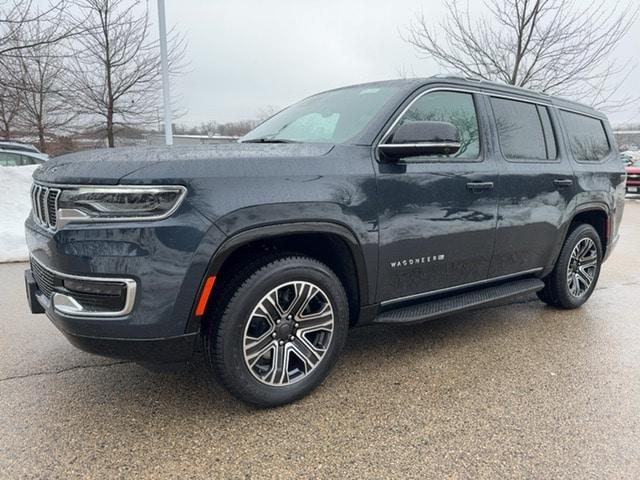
87, 204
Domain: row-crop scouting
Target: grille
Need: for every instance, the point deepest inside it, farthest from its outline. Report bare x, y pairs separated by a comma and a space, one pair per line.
43, 277
44, 202
100, 302
634, 176
48, 282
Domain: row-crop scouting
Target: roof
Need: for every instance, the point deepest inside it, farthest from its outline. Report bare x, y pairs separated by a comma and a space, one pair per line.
506, 89
489, 86
17, 146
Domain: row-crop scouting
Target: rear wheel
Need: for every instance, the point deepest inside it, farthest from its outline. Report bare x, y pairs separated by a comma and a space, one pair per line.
576, 272
279, 332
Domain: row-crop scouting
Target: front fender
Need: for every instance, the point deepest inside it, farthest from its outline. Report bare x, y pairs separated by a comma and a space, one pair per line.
361, 253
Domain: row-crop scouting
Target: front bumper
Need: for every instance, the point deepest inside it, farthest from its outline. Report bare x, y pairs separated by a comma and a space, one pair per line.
165, 261
153, 350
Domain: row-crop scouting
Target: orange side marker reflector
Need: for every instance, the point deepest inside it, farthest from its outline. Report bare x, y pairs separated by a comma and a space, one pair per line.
204, 296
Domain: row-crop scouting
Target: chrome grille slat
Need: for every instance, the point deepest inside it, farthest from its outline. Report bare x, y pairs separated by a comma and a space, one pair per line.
43, 209
52, 207
33, 199
44, 203
36, 201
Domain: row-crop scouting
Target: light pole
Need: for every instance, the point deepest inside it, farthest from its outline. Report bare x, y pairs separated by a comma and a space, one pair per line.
168, 134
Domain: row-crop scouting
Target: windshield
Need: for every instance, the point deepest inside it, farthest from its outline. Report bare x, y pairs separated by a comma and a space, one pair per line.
331, 117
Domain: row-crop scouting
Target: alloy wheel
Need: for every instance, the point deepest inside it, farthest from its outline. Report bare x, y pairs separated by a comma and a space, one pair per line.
288, 333
582, 267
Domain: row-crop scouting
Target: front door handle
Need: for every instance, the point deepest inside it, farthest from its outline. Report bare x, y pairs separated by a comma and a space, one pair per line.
562, 182
479, 186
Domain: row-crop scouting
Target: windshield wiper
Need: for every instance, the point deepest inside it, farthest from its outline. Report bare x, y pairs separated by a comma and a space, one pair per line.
269, 140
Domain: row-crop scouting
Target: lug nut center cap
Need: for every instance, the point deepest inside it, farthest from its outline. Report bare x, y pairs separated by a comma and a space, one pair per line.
284, 330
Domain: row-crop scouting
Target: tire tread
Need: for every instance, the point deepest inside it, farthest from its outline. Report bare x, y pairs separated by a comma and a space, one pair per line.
219, 327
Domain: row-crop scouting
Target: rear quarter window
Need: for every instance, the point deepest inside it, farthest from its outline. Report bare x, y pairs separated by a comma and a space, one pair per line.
587, 137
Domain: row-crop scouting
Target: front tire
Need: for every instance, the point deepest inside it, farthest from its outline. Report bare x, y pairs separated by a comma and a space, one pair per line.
279, 331
577, 270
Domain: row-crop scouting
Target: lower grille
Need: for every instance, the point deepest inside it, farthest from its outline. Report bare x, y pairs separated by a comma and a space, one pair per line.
92, 296
93, 301
43, 277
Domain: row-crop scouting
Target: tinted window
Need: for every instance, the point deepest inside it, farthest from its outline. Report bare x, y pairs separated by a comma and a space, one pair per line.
587, 136
520, 130
454, 107
549, 136
8, 159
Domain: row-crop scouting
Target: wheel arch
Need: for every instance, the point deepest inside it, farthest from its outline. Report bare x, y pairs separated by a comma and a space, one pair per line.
597, 215
332, 243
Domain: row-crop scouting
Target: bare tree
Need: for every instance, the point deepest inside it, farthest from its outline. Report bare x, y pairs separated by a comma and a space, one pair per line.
117, 70
18, 40
40, 81
16, 15
9, 100
552, 46
266, 112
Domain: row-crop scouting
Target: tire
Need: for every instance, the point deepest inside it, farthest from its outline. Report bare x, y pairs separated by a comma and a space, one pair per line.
581, 255
546, 296
310, 330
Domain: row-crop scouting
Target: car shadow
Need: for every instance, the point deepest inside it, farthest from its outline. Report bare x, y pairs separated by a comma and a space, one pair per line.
372, 354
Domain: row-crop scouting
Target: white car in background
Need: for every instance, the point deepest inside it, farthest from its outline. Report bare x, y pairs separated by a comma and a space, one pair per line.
16, 154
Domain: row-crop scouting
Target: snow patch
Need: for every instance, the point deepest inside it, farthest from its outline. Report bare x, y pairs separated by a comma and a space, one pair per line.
15, 205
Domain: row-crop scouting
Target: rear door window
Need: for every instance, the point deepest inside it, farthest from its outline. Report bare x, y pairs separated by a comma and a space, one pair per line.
525, 132
587, 137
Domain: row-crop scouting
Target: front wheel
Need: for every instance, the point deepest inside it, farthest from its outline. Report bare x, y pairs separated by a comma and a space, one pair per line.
576, 272
280, 331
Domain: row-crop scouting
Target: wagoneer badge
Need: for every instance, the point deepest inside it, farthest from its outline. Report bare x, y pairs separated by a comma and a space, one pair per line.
417, 261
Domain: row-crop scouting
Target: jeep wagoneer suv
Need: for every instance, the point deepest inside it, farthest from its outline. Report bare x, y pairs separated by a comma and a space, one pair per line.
390, 202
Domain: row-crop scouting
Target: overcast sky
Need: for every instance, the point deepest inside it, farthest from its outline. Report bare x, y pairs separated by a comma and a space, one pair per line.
247, 54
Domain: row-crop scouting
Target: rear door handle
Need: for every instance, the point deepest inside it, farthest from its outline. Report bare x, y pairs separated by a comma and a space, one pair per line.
561, 182
479, 186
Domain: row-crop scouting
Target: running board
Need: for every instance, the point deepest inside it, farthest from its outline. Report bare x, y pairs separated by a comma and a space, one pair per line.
458, 303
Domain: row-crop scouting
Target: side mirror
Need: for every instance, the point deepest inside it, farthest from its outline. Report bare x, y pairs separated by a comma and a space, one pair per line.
414, 139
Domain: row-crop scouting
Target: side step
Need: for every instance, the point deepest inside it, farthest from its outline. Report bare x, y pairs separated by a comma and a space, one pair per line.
458, 303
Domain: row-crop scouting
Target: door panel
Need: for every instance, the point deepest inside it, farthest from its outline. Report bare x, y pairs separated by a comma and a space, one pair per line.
531, 215
535, 194
437, 215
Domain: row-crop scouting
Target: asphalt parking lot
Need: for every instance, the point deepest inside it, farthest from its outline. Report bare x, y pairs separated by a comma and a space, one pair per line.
518, 391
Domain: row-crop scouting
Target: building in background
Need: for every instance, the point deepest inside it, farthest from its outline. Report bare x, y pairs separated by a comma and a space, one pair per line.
628, 139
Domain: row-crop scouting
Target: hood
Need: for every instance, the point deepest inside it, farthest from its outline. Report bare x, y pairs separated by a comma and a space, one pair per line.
108, 166
632, 169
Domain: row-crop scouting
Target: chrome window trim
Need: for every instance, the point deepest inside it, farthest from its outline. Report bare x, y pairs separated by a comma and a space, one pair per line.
131, 288
423, 144
458, 287
65, 216
488, 92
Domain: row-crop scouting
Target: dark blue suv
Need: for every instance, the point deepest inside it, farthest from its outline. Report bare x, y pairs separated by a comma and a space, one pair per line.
390, 202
